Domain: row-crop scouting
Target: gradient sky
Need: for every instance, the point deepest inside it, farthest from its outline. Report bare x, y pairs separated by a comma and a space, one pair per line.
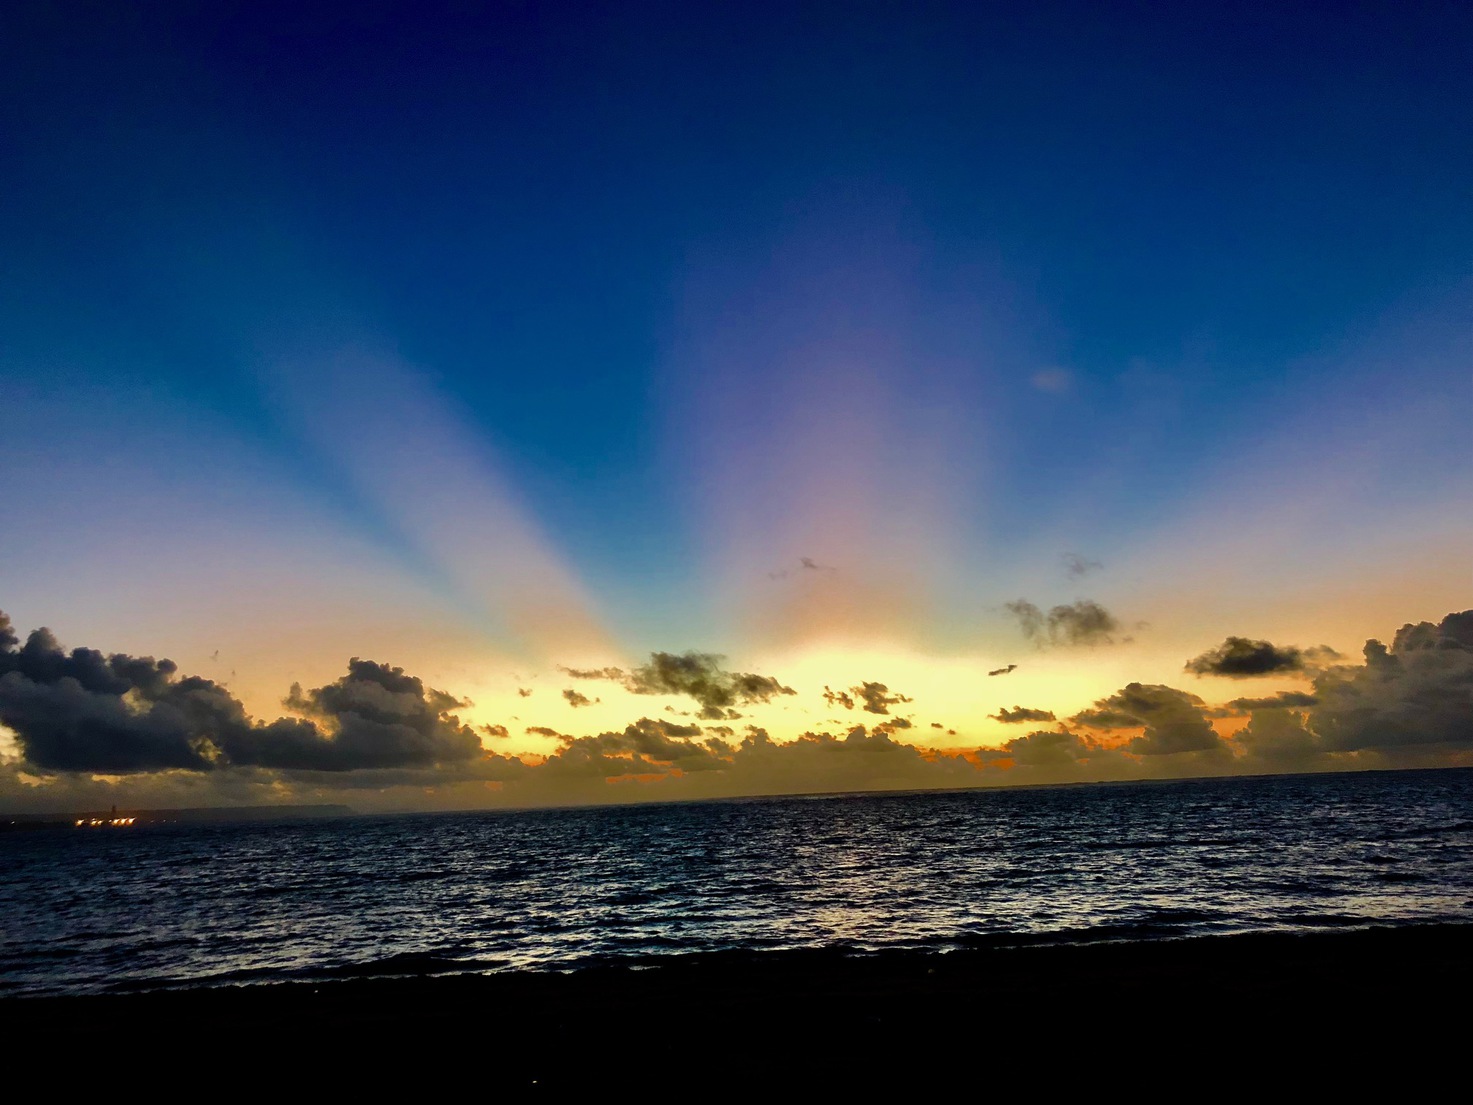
488, 341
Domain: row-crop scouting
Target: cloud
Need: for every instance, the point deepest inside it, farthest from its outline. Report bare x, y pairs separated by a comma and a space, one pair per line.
1077, 567
838, 698
1282, 700
1020, 714
700, 676
1417, 692
575, 699
83, 712
615, 674
1278, 739
1242, 658
1004, 671
876, 697
1083, 622
374, 717
648, 746
805, 564
81, 718
1174, 721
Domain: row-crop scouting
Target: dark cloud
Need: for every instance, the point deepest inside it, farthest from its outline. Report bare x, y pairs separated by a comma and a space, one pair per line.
575, 699
1004, 671
524, 692
1174, 721
838, 698
1417, 692
1242, 658
649, 746
614, 674
1283, 699
83, 718
1277, 738
1047, 748
1077, 567
1058, 755
81, 711
1083, 622
374, 717
700, 676
1020, 714
876, 698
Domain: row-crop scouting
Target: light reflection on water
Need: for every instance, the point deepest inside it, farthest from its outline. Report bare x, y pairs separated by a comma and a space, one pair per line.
172, 904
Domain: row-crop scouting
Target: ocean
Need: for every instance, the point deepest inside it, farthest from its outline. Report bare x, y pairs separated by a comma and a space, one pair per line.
174, 905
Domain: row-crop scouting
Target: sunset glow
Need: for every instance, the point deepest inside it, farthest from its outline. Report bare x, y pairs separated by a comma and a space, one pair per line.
934, 429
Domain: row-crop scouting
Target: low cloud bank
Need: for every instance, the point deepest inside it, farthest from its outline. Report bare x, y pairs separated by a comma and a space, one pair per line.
83, 720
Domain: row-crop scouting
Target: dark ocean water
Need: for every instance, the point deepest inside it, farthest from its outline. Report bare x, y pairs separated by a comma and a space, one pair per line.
170, 905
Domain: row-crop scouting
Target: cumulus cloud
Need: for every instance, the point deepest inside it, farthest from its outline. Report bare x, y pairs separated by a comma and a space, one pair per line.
1020, 714
1242, 658
576, 699
1280, 740
375, 716
1419, 691
81, 717
648, 746
1174, 721
1083, 622
1049, 748
81, 711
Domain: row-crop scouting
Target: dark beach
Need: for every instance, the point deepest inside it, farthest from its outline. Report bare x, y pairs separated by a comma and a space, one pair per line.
1365, 1000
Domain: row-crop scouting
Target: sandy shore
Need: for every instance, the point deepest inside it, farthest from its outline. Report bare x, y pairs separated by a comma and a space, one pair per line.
1377, 1004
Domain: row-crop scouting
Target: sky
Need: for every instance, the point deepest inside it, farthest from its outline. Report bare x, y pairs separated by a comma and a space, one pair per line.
455, 405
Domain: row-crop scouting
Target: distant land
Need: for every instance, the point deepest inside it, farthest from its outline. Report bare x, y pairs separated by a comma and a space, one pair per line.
125, 817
